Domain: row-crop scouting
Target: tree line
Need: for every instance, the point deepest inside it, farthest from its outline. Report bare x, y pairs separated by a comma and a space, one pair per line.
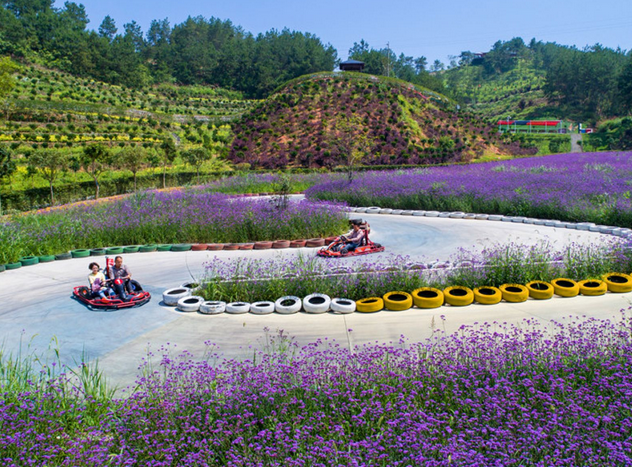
197, 51
587, 84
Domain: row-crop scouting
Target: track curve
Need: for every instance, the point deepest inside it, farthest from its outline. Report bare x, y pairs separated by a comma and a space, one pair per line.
37, 303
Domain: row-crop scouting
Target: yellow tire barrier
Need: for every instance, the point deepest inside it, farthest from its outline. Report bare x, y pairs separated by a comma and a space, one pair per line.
487, 295
592, 287
398, 301
458, 296
540, 290
369, 305
618, 282
565, 287
514, 293
427, 297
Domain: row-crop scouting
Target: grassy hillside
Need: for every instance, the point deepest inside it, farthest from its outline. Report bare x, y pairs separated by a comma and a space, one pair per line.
319, 120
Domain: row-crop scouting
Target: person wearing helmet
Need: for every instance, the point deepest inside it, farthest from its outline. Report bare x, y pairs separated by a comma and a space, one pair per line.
120, 276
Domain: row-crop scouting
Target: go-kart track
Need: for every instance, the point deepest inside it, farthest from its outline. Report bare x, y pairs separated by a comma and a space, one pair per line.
37, 306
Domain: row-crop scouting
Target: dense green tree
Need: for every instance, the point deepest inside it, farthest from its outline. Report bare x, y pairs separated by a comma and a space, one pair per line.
7, 82
196, 157
49, 163
167, 154
504, 55
95, 160
625, 86
7, 167
108, 28
132, 158
585, 83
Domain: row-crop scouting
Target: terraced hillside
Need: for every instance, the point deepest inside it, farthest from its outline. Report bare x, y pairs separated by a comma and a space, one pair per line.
323, 120
517, 93
54, 109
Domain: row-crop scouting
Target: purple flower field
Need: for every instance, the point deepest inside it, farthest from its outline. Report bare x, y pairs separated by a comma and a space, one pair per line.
178, 216
594, 187
488, 395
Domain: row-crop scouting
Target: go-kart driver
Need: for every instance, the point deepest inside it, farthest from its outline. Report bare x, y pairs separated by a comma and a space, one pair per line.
353, 239
120, 276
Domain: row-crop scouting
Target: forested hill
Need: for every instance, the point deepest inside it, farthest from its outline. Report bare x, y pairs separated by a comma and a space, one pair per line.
543, 80
332, 119
198, 51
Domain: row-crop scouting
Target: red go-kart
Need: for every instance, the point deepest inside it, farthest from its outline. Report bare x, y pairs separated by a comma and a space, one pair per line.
335, 248
112, 302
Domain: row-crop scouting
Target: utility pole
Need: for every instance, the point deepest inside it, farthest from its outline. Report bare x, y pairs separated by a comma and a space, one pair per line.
388, 59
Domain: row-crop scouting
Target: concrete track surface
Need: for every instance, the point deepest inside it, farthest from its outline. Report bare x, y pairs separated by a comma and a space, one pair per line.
37, 306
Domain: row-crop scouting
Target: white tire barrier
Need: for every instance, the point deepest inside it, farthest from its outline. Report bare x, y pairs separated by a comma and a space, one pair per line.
190, 304
212, 308
237, 308
288, 305
170, 297
316, 303
373, 210
194, 286
343, 305
261, 308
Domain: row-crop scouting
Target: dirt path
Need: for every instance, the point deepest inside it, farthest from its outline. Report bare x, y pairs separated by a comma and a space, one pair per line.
576, 139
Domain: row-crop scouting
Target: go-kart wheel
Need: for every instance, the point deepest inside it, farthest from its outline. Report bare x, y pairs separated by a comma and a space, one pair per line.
288, 305
136, 287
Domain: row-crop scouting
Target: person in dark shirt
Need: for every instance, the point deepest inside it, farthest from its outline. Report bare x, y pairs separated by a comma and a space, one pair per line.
120, 276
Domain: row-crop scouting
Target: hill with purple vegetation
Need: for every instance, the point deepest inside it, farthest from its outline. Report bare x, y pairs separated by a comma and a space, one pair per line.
317, 121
